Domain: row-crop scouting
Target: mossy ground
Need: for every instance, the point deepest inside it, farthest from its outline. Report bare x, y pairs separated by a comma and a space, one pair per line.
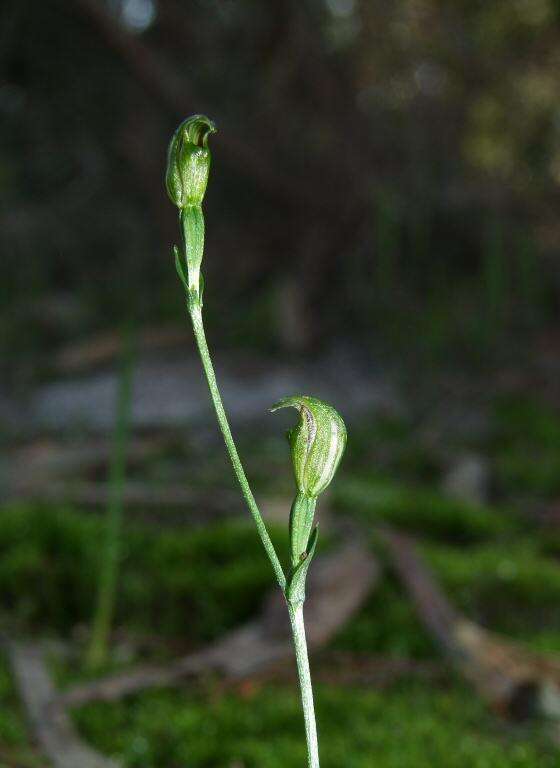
185, 587
407, 726
192, 585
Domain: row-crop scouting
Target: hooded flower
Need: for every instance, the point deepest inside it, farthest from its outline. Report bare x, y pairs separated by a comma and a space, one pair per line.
317, 443
188, 161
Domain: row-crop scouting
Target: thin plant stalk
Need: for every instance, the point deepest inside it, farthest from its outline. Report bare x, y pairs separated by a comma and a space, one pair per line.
296, 611
200, 336
304, 676
317, 442
108, 577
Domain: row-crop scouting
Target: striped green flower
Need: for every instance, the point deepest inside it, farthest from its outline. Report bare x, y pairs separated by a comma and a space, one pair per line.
188, 161
317, 442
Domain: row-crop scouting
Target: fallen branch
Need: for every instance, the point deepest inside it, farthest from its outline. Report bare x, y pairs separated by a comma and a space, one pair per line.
50, 723
341, 668
337, 587
514, 680
433, 607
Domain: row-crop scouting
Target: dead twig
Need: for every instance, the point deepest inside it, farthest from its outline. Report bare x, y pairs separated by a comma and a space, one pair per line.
514, 680
340, 668
337, 586
48, 719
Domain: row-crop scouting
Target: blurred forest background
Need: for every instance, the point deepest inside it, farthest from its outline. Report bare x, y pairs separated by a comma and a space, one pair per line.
383, 231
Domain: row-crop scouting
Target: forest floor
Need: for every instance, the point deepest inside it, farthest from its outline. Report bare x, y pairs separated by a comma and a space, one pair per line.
482, 506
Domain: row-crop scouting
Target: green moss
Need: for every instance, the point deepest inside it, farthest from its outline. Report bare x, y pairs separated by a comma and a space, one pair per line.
386, 624
420, 511
407, 726
195, 583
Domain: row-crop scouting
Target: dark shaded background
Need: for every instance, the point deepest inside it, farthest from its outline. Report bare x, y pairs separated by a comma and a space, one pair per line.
385, 173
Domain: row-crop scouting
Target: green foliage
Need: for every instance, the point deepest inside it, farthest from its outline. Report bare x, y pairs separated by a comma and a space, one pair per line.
107, 577
387, 624
407, 726
196, 584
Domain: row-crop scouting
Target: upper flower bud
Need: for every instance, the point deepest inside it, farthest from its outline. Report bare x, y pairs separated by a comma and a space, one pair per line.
188, 161
317, 443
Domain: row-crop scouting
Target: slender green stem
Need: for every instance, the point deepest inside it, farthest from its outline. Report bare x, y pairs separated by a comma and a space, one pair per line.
200, 336
295, 611
298, 630
110, 563
186, 178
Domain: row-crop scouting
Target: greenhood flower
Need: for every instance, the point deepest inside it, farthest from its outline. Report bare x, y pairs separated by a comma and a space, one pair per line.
317, 443
188, 161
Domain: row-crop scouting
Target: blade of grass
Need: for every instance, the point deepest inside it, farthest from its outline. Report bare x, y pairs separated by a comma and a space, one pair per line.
108, 576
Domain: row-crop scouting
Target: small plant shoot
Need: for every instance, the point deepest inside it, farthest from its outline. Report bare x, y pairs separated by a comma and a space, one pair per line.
317, 441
